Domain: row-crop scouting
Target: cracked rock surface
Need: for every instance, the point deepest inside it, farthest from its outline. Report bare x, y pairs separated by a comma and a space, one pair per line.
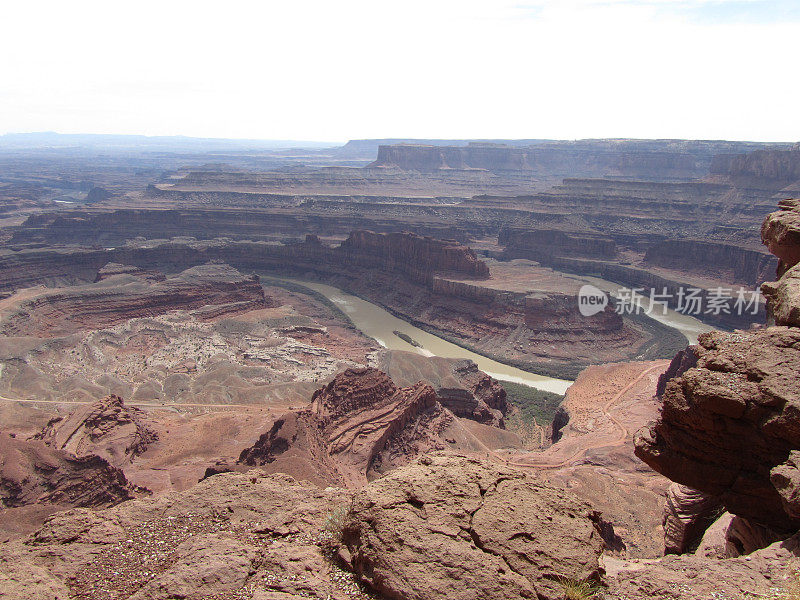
459, 528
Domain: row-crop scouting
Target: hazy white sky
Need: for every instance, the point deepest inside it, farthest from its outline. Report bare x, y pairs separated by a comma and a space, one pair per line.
333, 70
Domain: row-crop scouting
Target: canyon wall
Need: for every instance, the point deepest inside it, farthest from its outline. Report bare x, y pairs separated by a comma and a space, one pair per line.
544, 244
723, 261
649, 159
728, 316
777, 165
417, 257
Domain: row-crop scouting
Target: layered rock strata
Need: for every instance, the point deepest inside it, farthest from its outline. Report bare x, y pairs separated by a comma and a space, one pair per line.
106, 428
361, 425
350, 421
33, 473
211, 289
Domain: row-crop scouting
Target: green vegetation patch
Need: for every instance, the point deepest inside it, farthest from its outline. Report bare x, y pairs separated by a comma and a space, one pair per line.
533, 404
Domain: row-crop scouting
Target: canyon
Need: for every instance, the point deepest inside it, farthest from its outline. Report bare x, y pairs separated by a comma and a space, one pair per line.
186, 411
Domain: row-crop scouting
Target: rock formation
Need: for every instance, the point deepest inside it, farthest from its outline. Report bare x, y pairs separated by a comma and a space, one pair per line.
544, 244
687, 515
361, 425
106, 428
730, 423
774, 164
358, 419
658, 159
416, 256
33, 473
728, 262
449, 527
211, 289
482, 398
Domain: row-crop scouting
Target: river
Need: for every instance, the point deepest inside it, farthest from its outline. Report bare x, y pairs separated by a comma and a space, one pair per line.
380, 325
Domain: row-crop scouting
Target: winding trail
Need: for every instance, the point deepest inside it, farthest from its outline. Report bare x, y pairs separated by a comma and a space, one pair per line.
619, 440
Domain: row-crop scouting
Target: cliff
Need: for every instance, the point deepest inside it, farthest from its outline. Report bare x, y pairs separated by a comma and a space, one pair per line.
730, 421
416, 256
775, 165
544, 244
648, 159
724, 261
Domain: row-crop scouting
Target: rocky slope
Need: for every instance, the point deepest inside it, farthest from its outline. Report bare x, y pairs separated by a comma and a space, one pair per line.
729, 423
31, 473
361, 425
106, 428
453, 528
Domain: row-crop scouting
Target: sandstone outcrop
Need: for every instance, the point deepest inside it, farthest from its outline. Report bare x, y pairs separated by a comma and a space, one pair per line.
731, 536
486, 401
687, 515
786, 479
726, 422
34, 473
451, 527
354, 424
764, 573
780, 233
231, 536
106, 428
361, 425
730, 422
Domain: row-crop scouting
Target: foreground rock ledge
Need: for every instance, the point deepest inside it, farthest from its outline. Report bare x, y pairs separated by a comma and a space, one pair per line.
443, 527
459, 528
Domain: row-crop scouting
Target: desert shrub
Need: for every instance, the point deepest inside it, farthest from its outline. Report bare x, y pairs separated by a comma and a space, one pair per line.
580, 590
332, 532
